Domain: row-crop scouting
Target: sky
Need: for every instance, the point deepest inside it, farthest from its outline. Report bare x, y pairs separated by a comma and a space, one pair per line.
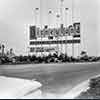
15, 15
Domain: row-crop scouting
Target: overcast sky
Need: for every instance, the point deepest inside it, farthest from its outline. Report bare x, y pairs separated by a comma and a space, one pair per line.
15, 14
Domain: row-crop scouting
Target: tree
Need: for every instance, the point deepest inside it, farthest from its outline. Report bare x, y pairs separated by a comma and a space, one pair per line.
3, 47
84, 56
83, 53
0, 47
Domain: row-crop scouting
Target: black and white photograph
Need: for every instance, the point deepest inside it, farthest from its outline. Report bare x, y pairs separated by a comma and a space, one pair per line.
49, 49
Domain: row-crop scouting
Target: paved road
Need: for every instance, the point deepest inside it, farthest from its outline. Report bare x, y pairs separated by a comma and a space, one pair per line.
56, 78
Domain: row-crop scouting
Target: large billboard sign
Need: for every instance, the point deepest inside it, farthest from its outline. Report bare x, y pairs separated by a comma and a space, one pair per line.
71, 30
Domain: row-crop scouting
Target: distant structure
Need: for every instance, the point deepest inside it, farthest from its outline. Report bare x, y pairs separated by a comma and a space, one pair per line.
2, 49
44, 39
10, 53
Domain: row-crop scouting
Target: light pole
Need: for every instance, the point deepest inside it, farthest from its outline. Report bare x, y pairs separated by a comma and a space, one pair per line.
28, 51
79, 45
49, 21
36, 23
72, 24
61, 10
61, 14
57, 21
36, 18
27, 35
0, 49
41, 26
66, 10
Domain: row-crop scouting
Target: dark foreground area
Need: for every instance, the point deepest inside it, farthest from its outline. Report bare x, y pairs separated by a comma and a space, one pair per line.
94, 90
56, 79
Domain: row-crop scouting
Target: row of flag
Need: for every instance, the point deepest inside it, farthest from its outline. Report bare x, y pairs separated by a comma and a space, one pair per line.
72, 30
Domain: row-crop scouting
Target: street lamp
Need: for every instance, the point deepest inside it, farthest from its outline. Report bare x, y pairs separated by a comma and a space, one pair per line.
49, 21
72, 24
66, 10
61, 10
36, 21
61, 14
57, 21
